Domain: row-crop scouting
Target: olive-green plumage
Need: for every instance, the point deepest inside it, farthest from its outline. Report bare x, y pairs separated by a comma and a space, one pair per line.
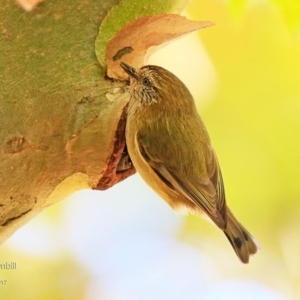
170, 148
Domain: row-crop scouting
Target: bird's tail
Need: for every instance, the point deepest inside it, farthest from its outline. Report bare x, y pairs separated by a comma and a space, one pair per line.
243, 243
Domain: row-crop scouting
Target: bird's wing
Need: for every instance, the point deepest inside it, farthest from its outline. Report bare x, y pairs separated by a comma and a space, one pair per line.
205, 192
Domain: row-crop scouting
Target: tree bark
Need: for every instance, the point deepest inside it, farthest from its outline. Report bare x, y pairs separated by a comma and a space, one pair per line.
61, 121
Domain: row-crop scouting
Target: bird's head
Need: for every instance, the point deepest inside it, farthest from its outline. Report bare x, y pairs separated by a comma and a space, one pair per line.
152, 84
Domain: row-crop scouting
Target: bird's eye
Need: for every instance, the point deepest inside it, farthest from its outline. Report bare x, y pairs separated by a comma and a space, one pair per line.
146, 81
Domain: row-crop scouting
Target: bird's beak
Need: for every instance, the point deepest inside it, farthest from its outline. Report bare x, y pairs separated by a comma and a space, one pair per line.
129, 70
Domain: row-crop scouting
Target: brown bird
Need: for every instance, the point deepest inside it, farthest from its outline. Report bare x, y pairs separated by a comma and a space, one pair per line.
170, 148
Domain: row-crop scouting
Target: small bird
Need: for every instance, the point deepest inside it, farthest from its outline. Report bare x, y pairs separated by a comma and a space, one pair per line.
170, 148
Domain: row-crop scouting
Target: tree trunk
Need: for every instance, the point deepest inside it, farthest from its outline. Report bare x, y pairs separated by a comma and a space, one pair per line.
62, 122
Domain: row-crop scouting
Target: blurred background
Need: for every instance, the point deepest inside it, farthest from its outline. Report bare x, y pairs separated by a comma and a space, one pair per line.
127, 244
